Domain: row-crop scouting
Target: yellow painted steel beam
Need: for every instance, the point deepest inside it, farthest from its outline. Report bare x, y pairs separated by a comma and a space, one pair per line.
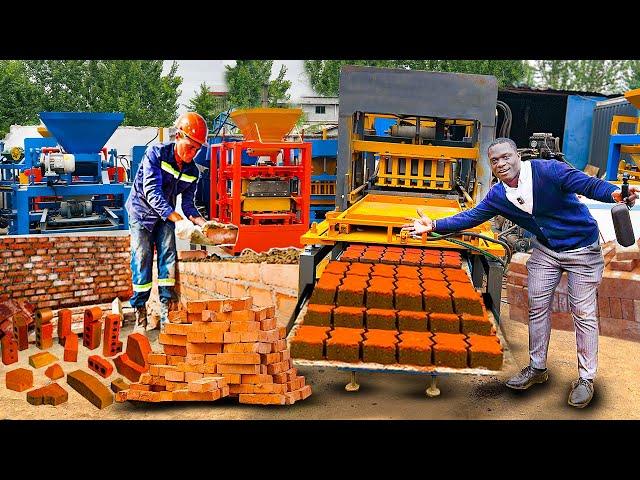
271, 204
618, 119
415, 151
379, 218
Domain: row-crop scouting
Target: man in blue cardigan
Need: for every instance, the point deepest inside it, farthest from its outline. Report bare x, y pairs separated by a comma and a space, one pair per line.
540, 196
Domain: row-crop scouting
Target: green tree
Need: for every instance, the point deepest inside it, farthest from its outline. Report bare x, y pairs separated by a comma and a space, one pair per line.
324, 75
206, 104
245, 82
602, 76
20, 99
633, 76
135, 87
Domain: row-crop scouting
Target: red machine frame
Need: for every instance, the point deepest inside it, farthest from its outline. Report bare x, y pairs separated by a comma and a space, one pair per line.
226, 164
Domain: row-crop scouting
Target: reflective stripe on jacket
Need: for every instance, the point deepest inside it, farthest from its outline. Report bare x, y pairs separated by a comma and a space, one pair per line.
157, 185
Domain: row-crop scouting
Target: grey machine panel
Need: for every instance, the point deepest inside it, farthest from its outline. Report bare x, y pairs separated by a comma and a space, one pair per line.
420, 93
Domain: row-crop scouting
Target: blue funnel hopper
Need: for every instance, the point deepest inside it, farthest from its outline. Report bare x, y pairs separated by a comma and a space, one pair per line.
82, 132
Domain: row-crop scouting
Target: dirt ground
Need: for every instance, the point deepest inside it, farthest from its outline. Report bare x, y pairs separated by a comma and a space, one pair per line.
385, 396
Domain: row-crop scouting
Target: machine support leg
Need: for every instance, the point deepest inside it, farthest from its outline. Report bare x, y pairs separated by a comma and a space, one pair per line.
494, 286
353, 385
478, 271
432, 389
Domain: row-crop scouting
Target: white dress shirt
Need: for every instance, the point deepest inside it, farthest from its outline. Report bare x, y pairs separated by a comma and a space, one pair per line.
522, 195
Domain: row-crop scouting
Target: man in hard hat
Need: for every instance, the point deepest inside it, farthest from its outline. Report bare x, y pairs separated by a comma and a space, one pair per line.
540, 196
167, 170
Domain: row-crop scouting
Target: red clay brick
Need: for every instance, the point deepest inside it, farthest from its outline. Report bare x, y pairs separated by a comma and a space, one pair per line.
444, 322
308, 342
92, 334
91, 315
128, 368
325, 290
262, 398
138, 348
64, 324
415, 348
19, 379
174, 350
379, 346
431, 273
478, 324
90, 388
438, 299
42, 359
383, 319
319, 315
21, 331
414, 321
344, 344
379, 293
44, 336
9, 350
100, 365
350, 317
52, 394
118, 385
54, 372
336, 268
450, 350
71, 348
485, 352
408, 295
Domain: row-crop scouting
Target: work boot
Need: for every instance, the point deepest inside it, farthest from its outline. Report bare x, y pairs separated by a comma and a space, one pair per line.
527, 377
164, 314
581, 393
140, 320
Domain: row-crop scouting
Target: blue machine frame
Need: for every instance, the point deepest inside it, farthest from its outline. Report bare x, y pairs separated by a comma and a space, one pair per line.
322, 149
83, 135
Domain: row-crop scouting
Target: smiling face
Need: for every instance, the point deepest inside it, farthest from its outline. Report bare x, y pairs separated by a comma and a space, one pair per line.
186, 149
505, 163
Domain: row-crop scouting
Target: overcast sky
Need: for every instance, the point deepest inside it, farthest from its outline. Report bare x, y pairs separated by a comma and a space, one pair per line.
194, 72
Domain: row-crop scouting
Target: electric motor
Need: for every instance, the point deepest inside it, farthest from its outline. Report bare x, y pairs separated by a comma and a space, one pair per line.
54, 164
71, 209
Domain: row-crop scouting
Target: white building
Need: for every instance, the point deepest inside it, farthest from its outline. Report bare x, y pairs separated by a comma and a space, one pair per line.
319, 110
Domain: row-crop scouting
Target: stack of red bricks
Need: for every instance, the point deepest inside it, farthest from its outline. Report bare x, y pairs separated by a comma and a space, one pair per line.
393, 305
15, 319
618, 294
65, 270
215, 348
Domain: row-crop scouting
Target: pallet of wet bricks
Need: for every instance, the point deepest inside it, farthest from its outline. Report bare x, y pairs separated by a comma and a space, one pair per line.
218, 348
395, 306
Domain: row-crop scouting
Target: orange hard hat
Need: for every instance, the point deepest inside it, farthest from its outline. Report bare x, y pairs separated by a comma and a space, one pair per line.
193, 126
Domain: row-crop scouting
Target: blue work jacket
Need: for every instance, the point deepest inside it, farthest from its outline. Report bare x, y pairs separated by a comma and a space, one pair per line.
157, 185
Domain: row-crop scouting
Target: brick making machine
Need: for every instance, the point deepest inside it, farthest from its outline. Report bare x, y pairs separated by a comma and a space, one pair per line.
625, 144
67, 181
372, 297
323, 177
268, 196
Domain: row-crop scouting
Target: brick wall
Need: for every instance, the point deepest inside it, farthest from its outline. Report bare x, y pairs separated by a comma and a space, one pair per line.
268, 284
65, 270
618, 297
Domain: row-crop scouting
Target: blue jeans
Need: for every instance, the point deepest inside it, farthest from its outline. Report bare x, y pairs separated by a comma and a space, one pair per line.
142, 244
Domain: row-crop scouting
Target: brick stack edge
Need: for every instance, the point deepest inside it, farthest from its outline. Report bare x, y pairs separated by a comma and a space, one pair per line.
218, 348
618, 294
64, 271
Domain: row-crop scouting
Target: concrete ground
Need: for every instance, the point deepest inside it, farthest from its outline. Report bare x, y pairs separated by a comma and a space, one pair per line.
385, 396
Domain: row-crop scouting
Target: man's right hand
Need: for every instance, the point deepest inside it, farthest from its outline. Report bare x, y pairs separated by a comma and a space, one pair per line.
184, 229
175, 217
420, 225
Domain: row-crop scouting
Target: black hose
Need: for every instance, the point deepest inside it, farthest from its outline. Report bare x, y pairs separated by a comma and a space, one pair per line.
446, 236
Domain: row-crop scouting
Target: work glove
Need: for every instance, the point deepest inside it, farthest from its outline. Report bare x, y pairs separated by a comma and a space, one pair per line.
215, 233
184, 229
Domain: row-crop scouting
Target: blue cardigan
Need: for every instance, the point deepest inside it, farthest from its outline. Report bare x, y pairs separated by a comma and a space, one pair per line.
558, 220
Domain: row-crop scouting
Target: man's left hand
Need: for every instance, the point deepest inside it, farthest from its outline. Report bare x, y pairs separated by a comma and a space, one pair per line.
631, 199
